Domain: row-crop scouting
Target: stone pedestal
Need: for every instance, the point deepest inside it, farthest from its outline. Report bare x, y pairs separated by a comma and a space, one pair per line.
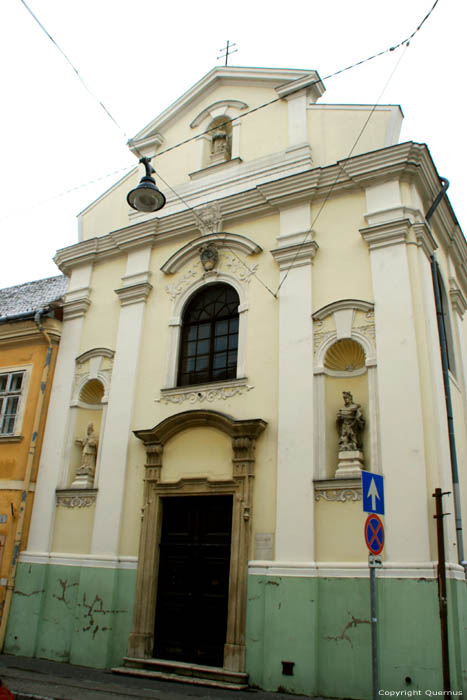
350, 464
220, 157
83, 481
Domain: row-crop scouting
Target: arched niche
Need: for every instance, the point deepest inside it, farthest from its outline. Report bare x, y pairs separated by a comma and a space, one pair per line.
207, 123
344, 361
88, 406
243, 435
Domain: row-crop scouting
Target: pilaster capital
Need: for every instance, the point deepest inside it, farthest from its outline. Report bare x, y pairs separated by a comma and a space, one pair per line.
387, 234
298, 255
458, 300
425, 239
76, 304
134, 293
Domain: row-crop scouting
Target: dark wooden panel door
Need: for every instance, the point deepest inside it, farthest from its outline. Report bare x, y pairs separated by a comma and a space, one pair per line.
193, 583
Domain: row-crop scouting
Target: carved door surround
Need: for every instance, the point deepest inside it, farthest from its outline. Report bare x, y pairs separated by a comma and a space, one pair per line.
243, 434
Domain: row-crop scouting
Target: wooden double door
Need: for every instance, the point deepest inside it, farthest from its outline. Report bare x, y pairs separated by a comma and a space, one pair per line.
193, 579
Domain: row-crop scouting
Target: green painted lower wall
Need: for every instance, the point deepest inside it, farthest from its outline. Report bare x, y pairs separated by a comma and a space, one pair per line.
80, 615
83, 615
323, 627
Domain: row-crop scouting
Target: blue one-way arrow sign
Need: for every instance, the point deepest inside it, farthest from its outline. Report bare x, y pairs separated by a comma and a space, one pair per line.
373, 493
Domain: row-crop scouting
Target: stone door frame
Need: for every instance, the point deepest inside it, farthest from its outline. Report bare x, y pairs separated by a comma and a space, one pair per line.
243, 434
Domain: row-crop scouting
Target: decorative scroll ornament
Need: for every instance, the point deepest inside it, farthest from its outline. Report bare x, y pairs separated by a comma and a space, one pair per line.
76, 498
240, 270
225, 262
341, 495
369, 331
204, 395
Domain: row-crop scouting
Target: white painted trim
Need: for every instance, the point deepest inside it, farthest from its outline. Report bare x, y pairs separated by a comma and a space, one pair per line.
7, 485
225, 105
230, 241
343, 305
405, 570
82, 560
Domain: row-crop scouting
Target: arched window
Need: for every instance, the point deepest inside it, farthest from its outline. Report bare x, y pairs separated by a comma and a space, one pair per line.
209, 339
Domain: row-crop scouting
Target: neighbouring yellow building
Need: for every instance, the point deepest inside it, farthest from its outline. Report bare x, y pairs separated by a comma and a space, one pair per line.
30, 328
229, 365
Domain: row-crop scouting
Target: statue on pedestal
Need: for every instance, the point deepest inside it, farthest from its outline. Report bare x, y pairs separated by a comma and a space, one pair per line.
350, 424
85, 473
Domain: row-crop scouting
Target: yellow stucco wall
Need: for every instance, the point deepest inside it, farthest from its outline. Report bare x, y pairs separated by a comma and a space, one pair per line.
73, 530
30, 354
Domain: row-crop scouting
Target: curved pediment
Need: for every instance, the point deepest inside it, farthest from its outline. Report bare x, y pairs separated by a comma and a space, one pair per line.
231, 241
218, 109
161, 433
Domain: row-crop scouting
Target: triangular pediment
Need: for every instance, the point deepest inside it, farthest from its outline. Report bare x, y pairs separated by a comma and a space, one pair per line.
279, 79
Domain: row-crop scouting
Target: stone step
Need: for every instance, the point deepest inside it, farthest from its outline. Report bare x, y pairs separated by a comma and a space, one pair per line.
182, 672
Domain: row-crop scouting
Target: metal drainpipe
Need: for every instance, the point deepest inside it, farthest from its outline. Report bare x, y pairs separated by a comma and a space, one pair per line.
27, 478
447, 387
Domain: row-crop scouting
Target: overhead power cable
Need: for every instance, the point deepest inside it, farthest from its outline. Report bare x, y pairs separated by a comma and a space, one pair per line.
86, 87
240, 116
404, 42
218, 235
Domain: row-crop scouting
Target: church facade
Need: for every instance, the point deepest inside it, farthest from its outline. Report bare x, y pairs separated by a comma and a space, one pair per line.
228, 367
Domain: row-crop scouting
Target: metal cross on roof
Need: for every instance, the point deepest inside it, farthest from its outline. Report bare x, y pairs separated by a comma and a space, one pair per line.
228, 51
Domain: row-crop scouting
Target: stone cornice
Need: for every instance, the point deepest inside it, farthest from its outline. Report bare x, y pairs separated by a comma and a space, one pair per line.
407, 161
292, 256
384, 235
134, 293
458, 300
311, 82
122, 240
231, 241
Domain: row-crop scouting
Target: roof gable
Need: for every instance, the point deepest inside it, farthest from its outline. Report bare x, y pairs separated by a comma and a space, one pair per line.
281, 79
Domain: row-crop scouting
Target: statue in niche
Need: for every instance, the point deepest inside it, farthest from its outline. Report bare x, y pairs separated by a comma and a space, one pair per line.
220, 141
350, 423
85, 472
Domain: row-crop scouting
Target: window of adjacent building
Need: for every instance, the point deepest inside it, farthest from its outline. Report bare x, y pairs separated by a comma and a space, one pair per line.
209, 339
11, 387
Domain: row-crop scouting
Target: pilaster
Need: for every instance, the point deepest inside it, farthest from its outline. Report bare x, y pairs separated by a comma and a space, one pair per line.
51, 467
400, 408
114, 443
295, 497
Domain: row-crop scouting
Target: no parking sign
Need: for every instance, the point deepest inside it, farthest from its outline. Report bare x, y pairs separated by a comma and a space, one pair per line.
374, 534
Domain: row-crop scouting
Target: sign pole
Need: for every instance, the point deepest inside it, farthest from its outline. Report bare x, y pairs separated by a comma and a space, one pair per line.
374, 626
373, 503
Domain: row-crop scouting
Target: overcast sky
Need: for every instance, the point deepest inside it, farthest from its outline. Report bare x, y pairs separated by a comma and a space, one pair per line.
138, 56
